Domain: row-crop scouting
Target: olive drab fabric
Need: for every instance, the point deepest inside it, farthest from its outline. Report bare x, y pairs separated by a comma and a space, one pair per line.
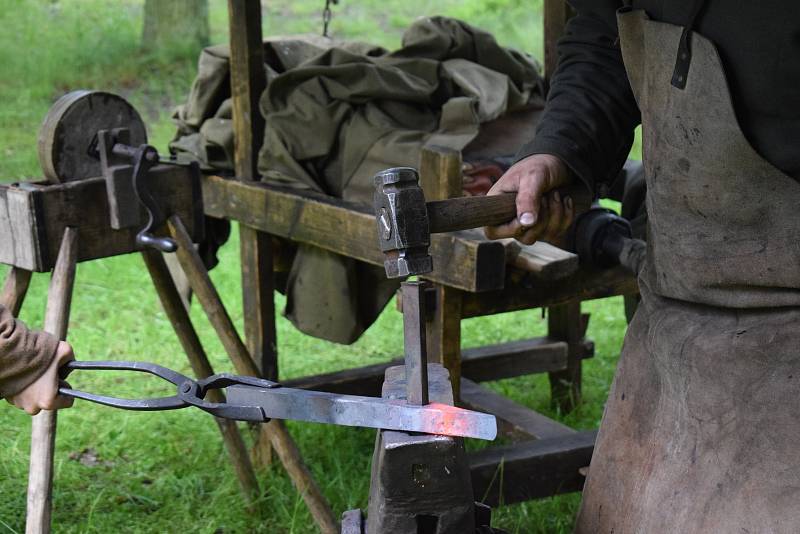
700, 431
338, 112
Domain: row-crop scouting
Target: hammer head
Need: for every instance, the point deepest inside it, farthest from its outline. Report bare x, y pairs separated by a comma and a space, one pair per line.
402, 220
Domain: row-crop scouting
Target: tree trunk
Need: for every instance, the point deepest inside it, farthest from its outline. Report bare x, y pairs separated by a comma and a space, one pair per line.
182, 23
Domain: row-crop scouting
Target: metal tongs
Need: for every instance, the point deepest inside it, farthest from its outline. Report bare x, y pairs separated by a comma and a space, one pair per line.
190, 392
259, 400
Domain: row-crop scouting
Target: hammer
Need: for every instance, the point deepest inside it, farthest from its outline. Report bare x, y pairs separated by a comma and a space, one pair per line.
405, 221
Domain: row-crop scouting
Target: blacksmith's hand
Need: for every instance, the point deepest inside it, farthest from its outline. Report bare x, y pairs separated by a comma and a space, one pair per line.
542, 214
42, 394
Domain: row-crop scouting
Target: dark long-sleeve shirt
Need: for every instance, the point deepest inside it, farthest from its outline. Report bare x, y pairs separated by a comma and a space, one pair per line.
24, 354
591, 113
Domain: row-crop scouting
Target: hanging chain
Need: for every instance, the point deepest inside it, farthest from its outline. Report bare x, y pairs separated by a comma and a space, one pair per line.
327, 15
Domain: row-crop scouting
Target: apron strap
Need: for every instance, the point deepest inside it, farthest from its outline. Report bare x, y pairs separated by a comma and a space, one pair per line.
681, 71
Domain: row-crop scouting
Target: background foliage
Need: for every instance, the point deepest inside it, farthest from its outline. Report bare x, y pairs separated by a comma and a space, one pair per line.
165, 472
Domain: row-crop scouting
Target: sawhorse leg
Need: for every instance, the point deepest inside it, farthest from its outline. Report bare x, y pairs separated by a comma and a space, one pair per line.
43, 430
273, 432
15, 289
174, 307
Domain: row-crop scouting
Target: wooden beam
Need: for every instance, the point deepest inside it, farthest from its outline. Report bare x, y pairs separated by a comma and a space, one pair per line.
515, 358
258, 299
467, 263
43, 428
33, 217
584, 285
490, 362
532, 469
514, 420
248, 81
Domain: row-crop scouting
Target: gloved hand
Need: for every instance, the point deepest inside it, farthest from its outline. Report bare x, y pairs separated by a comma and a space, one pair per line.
42, 394
541, 212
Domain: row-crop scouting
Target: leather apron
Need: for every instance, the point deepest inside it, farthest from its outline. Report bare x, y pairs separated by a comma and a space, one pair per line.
701, 431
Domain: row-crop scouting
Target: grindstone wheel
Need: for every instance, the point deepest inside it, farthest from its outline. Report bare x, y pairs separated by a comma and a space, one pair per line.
69, 131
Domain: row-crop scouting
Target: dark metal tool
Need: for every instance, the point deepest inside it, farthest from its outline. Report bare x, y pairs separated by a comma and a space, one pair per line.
602, 238
255, 399
144, 157
405, 220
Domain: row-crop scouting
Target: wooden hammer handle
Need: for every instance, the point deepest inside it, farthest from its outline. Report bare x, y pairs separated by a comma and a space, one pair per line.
463, 213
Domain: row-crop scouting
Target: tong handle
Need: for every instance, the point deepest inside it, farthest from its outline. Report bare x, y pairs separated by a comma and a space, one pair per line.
188, 392
156, 404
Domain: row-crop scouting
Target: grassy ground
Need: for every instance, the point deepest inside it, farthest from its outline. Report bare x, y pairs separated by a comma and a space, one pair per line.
167, 472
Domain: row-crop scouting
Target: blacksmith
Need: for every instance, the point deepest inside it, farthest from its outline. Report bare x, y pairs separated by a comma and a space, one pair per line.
701, 431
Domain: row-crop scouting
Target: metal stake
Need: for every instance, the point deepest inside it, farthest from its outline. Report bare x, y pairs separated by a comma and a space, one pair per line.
416, 356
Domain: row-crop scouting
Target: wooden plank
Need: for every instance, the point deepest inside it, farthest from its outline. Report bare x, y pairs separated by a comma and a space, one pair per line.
43, 212
541, 259
14, 290
487, 363
514, 420
462, 262
586, 284
531, 469
178, 316
43, 428
517, 358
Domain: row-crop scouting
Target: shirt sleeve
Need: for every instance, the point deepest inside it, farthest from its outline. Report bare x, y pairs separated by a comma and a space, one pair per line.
591, 114
24, 354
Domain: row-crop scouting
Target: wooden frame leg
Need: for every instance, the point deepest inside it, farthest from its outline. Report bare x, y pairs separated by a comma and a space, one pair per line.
274, 431
258, 300
15, 289
443, 334
565, 323
43, 430
173, 306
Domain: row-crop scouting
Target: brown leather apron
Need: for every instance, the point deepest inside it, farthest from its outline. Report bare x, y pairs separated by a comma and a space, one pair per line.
702, 427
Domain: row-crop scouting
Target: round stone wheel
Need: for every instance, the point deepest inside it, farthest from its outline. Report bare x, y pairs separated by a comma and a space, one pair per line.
69, 129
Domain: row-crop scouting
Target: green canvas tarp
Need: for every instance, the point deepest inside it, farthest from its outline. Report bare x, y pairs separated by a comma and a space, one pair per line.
338, 112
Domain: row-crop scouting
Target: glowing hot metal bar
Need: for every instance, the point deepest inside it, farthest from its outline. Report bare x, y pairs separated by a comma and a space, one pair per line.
370, 412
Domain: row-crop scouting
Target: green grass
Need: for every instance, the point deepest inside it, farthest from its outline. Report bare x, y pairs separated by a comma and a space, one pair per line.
168, 472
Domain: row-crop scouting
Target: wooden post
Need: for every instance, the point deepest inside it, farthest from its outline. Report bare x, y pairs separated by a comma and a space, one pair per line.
174, 307
275, 434
15, 289
43, 430
248, 81
556, 15
565, 323
440, 177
